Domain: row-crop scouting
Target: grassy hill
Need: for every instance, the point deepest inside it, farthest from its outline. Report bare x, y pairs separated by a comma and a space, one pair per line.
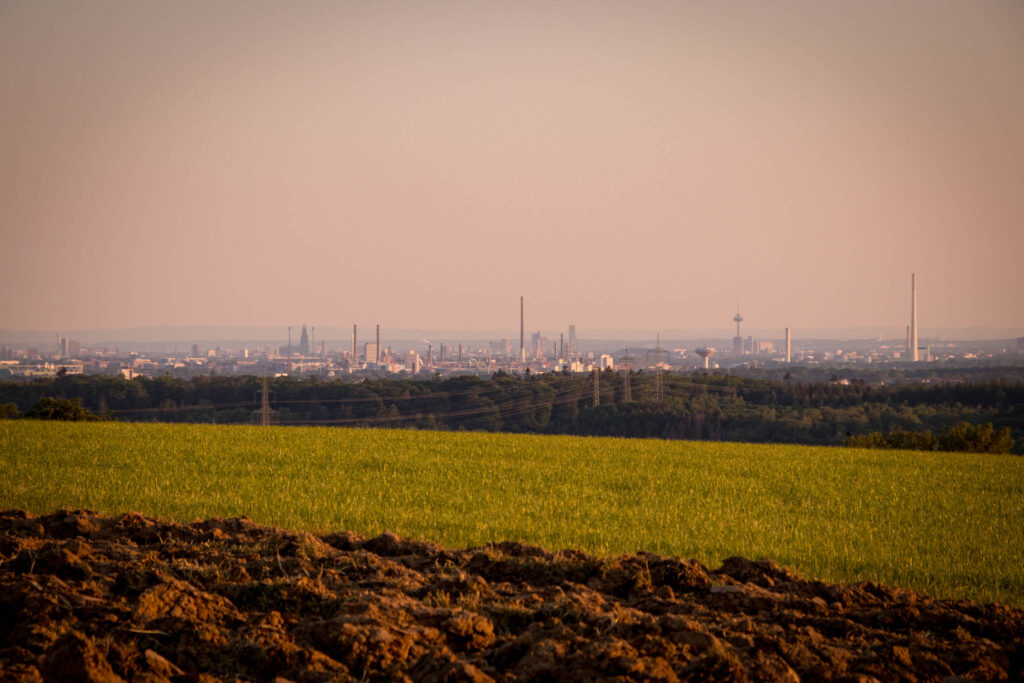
948, 524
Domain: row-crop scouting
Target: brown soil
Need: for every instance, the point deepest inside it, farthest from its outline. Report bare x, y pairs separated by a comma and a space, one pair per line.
85, 597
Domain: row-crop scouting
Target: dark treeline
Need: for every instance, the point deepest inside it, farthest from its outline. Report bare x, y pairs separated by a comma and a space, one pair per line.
698, 406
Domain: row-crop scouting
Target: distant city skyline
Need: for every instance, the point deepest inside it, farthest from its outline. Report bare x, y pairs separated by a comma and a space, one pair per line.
339, 336
641, 166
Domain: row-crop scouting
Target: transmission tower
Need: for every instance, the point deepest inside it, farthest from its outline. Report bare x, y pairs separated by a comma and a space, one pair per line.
659, 387
265, 405
597, 388
627, 362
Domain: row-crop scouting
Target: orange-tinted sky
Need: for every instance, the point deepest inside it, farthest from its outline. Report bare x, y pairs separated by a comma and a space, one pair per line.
622, 165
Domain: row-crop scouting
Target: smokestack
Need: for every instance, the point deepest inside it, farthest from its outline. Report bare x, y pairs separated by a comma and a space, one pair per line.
355, 345
460, 354
522, 332
789, 340
561, 346
908, 338
378, 343
289, 340
913, 317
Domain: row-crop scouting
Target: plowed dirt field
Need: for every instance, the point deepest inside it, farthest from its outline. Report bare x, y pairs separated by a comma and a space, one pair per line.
86, 597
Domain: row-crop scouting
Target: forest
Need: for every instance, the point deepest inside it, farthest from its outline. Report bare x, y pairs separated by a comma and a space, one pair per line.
710, 406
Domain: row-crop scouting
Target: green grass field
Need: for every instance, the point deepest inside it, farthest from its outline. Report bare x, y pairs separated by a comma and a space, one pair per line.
948, 524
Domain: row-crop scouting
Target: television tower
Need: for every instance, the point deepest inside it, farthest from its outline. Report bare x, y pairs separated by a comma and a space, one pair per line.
737, 341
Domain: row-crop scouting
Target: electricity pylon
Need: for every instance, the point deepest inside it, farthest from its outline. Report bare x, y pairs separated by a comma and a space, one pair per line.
627, 362
659, 387
265, 405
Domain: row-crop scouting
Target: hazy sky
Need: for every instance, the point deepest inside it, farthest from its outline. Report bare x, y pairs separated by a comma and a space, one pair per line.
423, 164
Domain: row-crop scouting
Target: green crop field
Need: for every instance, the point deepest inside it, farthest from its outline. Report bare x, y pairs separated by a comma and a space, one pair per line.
948, 524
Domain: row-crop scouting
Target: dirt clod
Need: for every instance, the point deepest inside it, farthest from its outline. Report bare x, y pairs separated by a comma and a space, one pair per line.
90, 598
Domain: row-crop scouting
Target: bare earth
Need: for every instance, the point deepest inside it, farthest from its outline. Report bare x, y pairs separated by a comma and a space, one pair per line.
86, 597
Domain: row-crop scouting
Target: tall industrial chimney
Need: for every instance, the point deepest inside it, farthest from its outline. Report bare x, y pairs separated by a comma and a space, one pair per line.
522, 333
378, 344
789, 340
913, 317
355, 346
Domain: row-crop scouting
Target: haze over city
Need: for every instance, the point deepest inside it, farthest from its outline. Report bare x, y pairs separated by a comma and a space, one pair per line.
624, 167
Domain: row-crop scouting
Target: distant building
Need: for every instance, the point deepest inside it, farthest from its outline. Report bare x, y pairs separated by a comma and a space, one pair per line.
537, 343
413, 363
607, 362
370, 352
304, 342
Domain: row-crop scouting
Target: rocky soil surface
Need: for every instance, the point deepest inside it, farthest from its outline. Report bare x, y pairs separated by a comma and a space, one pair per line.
86, 597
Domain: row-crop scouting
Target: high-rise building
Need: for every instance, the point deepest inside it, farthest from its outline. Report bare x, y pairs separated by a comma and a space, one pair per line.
304, 342
573, 342
522, 331
370, 352
412, 362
